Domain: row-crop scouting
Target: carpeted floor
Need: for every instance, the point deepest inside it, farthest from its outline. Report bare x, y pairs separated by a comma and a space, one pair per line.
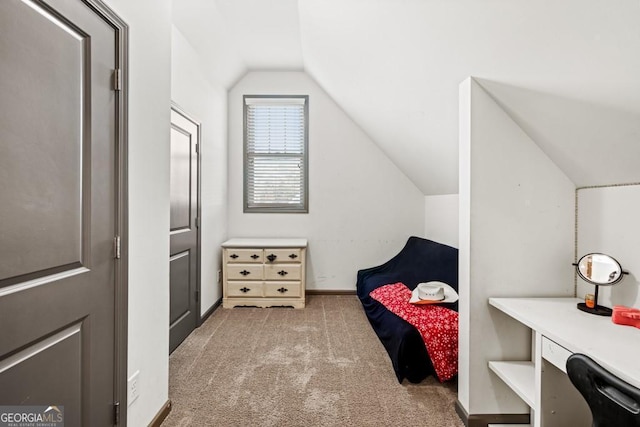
318, 366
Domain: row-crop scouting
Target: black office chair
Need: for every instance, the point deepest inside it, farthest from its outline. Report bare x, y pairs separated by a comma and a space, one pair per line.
613, 402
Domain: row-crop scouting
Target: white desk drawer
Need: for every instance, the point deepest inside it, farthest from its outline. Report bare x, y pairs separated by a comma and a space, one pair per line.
244, 272
244, 289
555, 353
272, 256
282, 272
282, 289
243, 255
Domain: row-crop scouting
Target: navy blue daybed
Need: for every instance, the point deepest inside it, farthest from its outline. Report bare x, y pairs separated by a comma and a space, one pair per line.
420, 260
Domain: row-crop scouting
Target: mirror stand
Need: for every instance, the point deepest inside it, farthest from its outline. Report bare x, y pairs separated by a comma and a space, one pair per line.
598, 269
598, 310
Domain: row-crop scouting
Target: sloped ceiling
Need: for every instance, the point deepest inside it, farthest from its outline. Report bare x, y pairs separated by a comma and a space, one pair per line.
566, 71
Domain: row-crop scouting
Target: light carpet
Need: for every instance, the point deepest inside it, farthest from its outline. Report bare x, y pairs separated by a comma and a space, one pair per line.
318, 366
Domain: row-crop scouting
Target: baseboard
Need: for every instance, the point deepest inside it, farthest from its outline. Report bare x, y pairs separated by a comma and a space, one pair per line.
209, 312
483, 420
161, 415
330, 292
462, 413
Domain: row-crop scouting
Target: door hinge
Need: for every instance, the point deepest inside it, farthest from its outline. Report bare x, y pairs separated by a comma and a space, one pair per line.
197, 148
116, 247
197, 296
117, 79
197, 222
116, 413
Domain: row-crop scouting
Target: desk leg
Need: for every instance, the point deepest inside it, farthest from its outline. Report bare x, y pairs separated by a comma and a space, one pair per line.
536, 356
561, 404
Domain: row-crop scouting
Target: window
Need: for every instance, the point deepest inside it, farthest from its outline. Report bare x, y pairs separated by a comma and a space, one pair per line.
276, 138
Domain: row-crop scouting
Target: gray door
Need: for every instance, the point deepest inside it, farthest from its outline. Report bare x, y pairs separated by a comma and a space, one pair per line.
58, 209
184, 250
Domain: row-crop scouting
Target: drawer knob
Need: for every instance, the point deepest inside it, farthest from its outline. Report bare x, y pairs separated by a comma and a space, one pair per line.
254, 256
272, 257
283, 290
234, 256
245, 289
245, 272
283, 273
293, 256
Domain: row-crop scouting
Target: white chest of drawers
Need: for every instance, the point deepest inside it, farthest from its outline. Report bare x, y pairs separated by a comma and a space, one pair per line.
263, 272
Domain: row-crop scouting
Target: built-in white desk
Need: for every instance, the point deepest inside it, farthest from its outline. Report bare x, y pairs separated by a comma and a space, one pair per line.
559, 329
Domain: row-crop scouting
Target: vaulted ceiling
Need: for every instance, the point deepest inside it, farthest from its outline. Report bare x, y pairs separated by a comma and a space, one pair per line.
568, 71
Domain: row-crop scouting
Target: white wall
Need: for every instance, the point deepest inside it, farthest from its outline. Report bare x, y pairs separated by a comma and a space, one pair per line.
149, 101
206, 102
206, 27
608, 223
441, 219
362, 208
516, 239
575, 133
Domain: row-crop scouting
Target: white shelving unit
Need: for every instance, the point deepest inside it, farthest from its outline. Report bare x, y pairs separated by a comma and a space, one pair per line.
520, 376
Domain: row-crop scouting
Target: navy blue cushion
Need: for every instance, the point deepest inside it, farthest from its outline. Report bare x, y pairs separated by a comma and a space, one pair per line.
421, 260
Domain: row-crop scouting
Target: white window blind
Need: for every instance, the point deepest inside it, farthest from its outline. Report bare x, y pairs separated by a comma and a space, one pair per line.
276, 154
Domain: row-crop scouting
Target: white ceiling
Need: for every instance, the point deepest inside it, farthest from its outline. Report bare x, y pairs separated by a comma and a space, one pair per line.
568, 71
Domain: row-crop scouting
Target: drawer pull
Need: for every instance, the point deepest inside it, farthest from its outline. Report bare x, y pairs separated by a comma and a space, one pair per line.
245, 289
234, 256
245, 272
283, 290
254, 256
293, 256
283, 273
272, 257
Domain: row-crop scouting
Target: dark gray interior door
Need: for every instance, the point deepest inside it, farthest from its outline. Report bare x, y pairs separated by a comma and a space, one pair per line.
57, 209
183, 257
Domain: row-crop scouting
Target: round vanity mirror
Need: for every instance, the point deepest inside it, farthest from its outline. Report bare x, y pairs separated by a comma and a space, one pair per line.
599, 269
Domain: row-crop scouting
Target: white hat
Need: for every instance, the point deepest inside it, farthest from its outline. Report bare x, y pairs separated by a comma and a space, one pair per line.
433, 293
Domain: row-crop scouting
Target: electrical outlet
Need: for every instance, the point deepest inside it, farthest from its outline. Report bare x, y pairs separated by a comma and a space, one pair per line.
133, 388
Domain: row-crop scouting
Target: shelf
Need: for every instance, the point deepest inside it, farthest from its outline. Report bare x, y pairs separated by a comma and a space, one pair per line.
520, 376
558, 319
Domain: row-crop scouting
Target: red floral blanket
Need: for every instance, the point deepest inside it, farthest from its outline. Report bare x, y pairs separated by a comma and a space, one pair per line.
437, 325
